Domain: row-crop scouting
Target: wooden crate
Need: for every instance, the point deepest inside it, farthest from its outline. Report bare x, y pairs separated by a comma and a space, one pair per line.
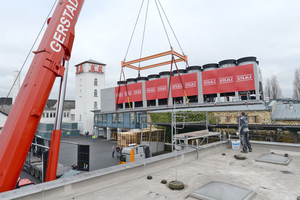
126, 138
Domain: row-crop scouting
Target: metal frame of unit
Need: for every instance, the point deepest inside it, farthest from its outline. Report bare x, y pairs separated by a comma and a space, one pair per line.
181, 58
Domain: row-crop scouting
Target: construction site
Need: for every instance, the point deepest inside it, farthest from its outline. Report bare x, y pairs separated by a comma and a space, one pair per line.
169, 135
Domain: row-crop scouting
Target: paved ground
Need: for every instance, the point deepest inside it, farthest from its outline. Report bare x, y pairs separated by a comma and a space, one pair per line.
100, 153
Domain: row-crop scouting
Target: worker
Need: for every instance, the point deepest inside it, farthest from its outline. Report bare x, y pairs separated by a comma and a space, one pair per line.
93, 138
244, 132
86, 134
68, 133
117, 151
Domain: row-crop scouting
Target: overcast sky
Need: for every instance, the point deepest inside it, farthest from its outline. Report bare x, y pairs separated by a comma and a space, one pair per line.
207, 31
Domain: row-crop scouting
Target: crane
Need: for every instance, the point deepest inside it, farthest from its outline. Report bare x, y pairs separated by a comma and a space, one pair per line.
48, 63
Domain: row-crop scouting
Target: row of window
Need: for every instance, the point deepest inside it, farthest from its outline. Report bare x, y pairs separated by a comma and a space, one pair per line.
53, 114
116, 118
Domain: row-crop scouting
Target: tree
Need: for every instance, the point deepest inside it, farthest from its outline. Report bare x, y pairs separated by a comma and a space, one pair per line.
296, 84
272, 88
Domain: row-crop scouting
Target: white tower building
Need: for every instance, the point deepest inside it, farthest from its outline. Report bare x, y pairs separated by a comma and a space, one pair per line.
90, 79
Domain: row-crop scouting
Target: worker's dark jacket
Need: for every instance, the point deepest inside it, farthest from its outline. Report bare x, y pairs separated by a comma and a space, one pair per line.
243, 124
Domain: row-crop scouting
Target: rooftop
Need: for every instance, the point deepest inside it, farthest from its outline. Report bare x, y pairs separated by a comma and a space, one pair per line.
91, 61
215, 163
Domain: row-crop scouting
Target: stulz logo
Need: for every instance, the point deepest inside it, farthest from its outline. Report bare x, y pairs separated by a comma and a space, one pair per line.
137, 92
208, 82
161, 88
151, 90
120, 94
129, 93
176, 86
190, 84
225, 80
245, 77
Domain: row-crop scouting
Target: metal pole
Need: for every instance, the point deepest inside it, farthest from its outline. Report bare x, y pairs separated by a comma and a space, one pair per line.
172, 130
61, 99
207, 120
157, 140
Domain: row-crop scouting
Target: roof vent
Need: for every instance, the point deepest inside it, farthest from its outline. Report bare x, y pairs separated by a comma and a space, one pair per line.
273, 158
291, 106
224, 191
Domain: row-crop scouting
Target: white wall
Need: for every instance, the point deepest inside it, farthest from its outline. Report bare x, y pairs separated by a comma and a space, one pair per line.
84, 95
49, 116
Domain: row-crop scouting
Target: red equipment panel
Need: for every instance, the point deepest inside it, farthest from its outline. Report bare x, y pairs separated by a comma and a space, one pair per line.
119, 92
176, 86
137, 92
162, 88
244, 77
128, 89
190, 84
226, 79
151, 90
209, 82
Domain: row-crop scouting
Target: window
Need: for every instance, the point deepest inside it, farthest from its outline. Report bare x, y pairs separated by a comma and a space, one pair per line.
95, 82
255, 119
72, 117
100, 118
65, 114
95, 93
68, 114
114, 118
43, 115
54, 114
95, 104
96, 118
79, 117
104, 117
228, 119
47, 115
120, 118
132, 118
50, 115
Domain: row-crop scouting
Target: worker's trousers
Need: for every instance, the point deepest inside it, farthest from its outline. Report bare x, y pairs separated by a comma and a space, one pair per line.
245, 141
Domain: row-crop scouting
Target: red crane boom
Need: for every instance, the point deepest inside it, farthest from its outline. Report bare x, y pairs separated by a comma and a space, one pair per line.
24, 117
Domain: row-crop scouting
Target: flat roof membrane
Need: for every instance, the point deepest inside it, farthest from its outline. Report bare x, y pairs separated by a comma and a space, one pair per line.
222, 191
273, 158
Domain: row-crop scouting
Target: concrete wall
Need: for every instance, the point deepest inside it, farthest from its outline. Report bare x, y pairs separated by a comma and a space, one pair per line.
262, 117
